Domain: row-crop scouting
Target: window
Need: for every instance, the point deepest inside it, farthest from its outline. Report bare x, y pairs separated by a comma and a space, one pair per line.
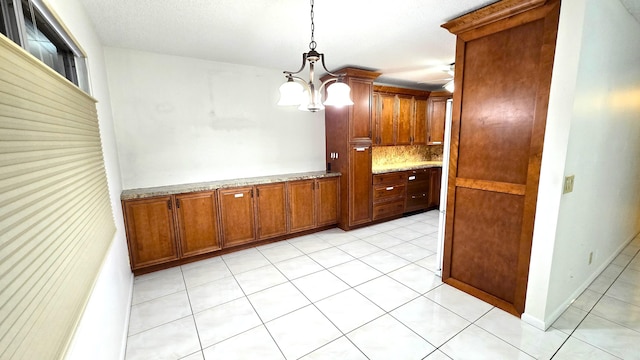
35, 28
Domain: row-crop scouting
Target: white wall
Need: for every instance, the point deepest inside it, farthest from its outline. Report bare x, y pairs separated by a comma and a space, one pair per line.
101, 333
183, 120
593, 132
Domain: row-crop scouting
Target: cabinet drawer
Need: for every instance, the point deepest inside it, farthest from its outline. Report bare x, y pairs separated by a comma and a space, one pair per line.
394, 178
417, 201
418, 187
418, 175
389, 209
386, 193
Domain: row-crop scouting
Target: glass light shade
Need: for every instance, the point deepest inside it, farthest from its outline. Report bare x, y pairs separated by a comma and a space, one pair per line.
306, 104
290, 94
449, 86
338, 94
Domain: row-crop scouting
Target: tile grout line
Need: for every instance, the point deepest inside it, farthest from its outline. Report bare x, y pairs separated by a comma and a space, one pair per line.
594, 305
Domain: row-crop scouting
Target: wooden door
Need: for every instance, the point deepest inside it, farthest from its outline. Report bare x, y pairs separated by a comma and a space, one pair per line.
150, 231
271, 210
327, 194
360, 189
360, 124
237, 213
419, 130
437, 114
384, 119
404, 115
499, 118
302, 206
197, 221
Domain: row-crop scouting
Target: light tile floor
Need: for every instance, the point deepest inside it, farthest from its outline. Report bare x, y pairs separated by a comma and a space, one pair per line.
370, 293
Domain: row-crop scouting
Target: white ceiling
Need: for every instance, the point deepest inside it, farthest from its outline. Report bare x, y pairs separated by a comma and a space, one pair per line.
402, 39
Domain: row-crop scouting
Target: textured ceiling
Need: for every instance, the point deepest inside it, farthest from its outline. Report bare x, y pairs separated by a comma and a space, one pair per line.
402, 39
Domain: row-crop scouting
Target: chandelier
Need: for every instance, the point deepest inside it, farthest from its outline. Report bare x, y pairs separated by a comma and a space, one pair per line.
304, 94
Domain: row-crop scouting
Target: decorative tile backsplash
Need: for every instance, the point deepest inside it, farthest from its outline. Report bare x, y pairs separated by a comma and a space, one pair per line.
387, 155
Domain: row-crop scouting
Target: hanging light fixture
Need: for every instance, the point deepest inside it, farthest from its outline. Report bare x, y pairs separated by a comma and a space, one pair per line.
297, 91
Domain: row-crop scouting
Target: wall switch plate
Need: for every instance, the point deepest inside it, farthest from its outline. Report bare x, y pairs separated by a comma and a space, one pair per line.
568, 184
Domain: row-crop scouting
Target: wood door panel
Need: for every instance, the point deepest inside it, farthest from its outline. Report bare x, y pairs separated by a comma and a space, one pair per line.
271, 210
238, 216
302, 205
197, 223
360, 185
361, 93
504, 62
327, 194
405, 113
437, 116
486, 241
386, 134
420, 123
150, 231
499, 104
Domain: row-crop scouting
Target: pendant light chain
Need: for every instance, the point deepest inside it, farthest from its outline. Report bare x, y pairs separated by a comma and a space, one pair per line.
312, 44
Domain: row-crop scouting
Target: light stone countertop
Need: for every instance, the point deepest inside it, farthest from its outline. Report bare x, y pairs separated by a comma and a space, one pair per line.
220, 184
387, 168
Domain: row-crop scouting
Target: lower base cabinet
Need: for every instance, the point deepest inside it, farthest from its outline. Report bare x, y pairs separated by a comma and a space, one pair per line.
197, 216
167, 228
150, 231
313, 203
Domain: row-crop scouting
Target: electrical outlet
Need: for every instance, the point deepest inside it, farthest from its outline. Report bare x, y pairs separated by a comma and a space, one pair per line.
568, 184
590, 257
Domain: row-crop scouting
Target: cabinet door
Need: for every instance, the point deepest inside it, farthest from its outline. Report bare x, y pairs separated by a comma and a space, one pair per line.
302, 205
360, 200
271, 209
150, 231
327, 194
385, 109
237, 212
434, 189
420, 123
404, 113
360, 125
197, 223
436, 120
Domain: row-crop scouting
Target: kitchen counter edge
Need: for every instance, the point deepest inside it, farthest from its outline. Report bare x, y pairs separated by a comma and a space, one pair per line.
143, 193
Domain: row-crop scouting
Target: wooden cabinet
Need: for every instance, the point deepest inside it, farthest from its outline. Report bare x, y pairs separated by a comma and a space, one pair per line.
237, 216
498, 127
435, 183
360, 185
346, 135
271, 210
388, 194
400, 116
302, 209
423, 189
436, 115
418, 189
150, 231
165, 230
327, 195
197, 223
384, 105
313, 203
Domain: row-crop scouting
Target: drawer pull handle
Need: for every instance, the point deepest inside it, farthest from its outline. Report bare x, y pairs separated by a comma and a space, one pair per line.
412, 177
390, 188
360, 149
238, 195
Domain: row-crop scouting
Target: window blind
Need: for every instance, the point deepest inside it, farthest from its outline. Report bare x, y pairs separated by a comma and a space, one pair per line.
56, 222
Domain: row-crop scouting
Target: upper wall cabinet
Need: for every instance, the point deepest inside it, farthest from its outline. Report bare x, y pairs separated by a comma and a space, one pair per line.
399, 116
436, 114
